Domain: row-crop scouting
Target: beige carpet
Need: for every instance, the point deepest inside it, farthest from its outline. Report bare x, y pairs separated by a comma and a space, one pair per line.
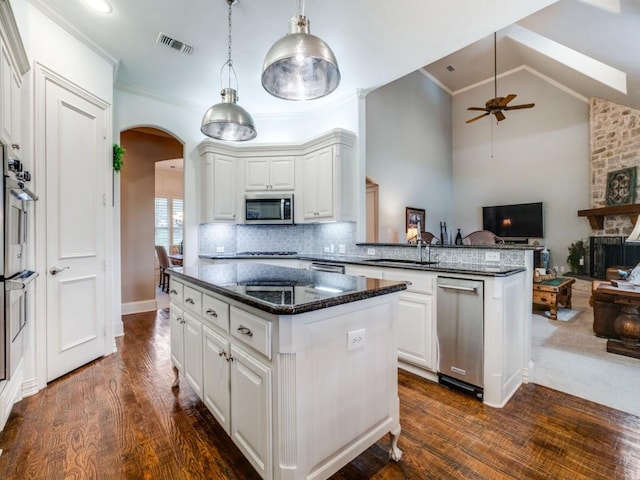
568, 357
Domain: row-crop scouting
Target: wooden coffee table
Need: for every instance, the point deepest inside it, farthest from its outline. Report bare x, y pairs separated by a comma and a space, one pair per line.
552, 292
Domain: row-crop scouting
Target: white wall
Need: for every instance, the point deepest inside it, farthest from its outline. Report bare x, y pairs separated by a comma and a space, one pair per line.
538, 154
408, 153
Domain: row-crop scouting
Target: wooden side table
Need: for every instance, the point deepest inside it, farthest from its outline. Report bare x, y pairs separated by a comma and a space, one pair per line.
552, 292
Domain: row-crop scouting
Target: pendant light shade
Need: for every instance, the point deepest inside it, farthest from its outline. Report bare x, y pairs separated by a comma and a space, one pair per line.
300, 66
227, 120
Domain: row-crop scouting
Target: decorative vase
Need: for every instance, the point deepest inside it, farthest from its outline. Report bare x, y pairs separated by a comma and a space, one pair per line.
544, 258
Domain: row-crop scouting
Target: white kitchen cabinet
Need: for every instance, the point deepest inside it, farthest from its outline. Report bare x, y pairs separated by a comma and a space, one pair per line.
11, 94
177, 321
5, 95
317, 186
329, 179
193, 352
370, 272
219, 188
269, 174
322, 173
416, 328
251, 418
216, 387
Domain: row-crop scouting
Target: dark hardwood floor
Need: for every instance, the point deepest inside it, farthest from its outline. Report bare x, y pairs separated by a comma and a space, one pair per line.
118, 418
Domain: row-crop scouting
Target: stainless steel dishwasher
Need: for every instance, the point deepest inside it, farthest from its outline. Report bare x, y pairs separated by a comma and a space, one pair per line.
460, 328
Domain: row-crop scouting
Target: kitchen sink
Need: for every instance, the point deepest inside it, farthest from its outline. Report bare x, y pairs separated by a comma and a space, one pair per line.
399, 263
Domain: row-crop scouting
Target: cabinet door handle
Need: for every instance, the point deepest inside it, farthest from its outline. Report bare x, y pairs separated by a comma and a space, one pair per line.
230, 358
190, 300
180, 320
173, 292
245, 331
222, 353
15, 146
211, 312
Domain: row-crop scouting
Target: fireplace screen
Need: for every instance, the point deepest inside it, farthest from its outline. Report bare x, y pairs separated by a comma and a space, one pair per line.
605, 252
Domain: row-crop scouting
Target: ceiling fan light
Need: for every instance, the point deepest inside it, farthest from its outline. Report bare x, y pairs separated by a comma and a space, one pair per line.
300, 66
227, 120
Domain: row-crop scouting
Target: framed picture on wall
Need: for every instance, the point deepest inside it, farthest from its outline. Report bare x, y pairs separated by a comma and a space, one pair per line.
621, 186
413, 216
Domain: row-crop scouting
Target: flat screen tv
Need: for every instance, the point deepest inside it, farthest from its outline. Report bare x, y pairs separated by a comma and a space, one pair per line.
514, 221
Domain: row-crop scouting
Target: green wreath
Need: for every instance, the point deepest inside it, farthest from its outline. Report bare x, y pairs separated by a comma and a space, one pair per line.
118, 153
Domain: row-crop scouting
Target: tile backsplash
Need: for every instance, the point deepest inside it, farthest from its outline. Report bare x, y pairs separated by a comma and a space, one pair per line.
320, 238
308, 238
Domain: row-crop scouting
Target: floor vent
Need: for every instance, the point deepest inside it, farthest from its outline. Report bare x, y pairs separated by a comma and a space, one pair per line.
164, 39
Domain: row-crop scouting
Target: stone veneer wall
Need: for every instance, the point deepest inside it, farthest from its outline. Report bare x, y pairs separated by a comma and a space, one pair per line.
615, 144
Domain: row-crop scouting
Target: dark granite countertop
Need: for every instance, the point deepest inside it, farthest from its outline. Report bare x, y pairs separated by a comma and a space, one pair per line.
442, 267
283, 290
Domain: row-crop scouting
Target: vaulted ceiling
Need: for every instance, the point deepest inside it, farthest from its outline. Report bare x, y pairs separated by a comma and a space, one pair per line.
374, 42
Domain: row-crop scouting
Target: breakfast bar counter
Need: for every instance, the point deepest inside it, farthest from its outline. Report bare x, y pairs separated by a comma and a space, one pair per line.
299, 367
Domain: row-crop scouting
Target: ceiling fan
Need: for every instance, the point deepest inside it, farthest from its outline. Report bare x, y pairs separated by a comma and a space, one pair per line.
497, 105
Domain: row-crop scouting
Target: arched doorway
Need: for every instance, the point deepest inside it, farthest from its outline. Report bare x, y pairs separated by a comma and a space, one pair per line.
145, 148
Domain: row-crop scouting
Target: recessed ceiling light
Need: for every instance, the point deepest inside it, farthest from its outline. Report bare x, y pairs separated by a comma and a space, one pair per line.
101, 6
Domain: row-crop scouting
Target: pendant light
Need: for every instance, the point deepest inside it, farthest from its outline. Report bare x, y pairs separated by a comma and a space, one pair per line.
300, 66
227, 120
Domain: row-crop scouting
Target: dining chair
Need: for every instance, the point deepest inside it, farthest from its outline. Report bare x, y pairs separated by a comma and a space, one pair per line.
163, 260
482, 237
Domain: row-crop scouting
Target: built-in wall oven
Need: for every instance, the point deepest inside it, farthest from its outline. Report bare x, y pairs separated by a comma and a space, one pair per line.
16, 280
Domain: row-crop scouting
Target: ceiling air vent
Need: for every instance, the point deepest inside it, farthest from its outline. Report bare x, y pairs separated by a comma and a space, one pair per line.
164, 39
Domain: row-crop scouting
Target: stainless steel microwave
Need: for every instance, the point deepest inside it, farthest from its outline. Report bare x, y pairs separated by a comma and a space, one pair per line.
268, 209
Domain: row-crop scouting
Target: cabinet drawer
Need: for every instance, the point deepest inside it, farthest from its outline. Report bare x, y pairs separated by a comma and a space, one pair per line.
176, 291
251, 330
420, 282
215, 312
192, 300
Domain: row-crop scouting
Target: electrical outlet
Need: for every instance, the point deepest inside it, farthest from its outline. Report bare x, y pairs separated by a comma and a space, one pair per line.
342, 249
332, 248
355, 339
326, 249
371, 251
491, 256
219, 249
562, 269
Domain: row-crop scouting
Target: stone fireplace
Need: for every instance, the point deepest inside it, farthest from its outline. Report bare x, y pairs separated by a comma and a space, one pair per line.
615, 145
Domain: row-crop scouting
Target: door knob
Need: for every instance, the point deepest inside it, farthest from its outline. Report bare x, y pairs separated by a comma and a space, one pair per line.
56, 270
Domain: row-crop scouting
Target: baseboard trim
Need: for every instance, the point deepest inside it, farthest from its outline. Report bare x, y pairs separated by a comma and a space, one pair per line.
139, 307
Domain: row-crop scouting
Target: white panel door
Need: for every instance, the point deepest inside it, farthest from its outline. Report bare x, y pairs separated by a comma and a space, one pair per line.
76, 157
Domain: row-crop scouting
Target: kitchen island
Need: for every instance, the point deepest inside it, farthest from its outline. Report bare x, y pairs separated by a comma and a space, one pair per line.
505, 272
299, 367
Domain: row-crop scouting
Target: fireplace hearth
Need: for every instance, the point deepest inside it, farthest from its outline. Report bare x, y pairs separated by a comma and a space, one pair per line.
605, 252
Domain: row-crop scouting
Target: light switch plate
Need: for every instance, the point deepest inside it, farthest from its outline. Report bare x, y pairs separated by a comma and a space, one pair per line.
219, 249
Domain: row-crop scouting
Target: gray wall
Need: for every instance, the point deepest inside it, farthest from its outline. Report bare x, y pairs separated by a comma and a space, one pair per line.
538, 154
408, 152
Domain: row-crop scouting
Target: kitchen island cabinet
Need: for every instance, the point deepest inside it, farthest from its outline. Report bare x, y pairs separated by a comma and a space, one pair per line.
288, 355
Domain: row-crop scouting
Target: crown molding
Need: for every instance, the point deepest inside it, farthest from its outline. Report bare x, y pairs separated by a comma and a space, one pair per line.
55, 17
11, 34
